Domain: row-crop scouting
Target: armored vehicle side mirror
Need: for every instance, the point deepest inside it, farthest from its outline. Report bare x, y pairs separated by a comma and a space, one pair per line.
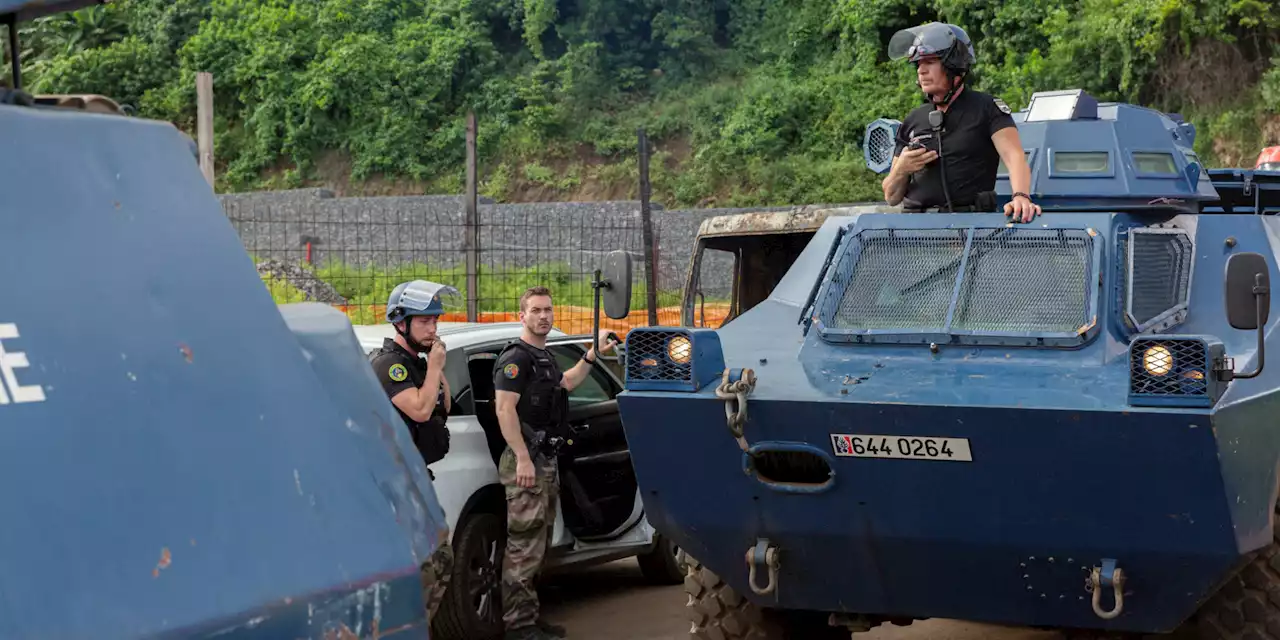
1248, 301
615, 280
616, 283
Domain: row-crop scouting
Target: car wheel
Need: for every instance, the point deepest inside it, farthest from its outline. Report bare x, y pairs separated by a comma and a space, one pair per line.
472, 606
662, 565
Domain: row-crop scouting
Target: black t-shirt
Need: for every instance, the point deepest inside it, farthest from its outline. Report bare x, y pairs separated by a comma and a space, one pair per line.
514, 371
967, 149
397, 370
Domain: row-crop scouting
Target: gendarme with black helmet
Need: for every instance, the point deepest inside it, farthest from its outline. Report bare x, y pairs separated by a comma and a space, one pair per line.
949, 148
417, 387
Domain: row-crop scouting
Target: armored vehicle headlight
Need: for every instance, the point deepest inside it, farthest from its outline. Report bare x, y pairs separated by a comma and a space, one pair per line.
679, 349
1157, 360
1174, 371
672, 358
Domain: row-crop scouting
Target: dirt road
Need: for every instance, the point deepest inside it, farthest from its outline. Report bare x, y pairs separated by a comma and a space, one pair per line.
612, 602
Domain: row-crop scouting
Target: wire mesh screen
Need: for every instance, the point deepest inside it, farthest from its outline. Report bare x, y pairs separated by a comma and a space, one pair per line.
1033, 281
1162, 367
881, 144
1009, 280
898, 279
351, 252
659, 355
1159, 273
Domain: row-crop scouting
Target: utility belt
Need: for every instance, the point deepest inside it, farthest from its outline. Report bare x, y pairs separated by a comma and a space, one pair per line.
431, 437
549, 440
541, 442
983, 202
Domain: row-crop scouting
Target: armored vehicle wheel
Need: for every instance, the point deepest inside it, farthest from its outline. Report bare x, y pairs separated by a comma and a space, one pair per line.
472, 605
1247, 606
718, 612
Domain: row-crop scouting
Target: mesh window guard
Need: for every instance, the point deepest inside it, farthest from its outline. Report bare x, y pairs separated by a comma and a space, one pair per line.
1004, 285
1158, 277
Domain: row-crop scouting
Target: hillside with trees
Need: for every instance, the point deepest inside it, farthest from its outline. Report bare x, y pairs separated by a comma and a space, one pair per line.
747, 102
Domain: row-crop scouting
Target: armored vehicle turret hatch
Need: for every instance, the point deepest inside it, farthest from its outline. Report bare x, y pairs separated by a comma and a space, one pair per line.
1067, 423
1091, 156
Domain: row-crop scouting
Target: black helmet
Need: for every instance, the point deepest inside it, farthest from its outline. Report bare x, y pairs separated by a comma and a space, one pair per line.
946, 41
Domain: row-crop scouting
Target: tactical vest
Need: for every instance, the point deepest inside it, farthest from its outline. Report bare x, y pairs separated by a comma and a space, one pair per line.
544, 405
431, 437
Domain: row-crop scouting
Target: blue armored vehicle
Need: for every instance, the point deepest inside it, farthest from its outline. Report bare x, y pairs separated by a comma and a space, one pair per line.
1067, 423
179, 456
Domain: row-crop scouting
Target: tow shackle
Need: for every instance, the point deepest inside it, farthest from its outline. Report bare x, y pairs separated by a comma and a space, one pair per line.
1108, 575
763, 553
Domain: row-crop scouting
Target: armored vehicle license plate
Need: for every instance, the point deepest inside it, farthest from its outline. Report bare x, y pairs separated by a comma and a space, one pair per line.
901, 447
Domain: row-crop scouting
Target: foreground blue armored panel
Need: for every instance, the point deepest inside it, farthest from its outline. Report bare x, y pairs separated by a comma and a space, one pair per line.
954, 417
178, 458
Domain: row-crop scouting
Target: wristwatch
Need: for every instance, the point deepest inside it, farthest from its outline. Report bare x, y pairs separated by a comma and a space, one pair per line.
584, 358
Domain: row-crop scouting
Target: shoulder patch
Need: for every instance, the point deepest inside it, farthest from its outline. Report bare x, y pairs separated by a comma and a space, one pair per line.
397, 372
511, 371
1002, 106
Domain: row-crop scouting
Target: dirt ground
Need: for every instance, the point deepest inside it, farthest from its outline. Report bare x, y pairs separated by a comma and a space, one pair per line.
612, 602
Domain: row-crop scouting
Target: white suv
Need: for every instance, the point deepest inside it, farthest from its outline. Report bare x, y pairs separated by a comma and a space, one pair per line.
599, 518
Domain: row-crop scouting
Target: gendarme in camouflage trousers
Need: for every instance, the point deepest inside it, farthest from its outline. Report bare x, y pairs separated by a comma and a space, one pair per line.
530, 520
436, 572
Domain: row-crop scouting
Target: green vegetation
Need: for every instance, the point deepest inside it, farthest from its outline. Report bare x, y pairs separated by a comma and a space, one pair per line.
366, 289
747, 101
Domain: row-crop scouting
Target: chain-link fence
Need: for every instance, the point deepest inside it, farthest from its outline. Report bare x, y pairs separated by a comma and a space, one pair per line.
351, 252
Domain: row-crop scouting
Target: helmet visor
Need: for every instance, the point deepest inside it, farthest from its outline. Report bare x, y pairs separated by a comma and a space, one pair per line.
931, 39
420, 293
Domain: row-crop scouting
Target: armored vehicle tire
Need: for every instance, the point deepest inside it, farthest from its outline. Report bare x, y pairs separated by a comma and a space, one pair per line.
718, 612
664, 564
472, 605
1247, 606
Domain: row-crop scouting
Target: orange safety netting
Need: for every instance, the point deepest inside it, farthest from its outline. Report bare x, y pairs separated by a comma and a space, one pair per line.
569, 319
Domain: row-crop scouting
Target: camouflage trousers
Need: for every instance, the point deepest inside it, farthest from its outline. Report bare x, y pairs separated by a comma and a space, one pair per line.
531, 516
436, 572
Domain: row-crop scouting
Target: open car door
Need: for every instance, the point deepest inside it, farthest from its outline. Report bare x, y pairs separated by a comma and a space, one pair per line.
597, 483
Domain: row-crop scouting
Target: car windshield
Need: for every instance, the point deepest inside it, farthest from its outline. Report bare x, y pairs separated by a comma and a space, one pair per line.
999, 282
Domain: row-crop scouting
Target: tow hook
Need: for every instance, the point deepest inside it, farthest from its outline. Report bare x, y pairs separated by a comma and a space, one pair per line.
763, 553
735, 384
1108, 575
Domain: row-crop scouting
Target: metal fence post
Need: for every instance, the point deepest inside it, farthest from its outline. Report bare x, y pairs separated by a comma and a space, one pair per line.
15, 52
204, 123
646, 223
472, 231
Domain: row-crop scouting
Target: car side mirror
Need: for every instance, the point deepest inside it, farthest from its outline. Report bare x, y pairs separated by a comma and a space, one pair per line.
616, 282
1248, 300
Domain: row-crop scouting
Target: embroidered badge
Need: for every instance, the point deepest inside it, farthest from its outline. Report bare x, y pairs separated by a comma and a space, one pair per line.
397, 372
1002, 106
511, 371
